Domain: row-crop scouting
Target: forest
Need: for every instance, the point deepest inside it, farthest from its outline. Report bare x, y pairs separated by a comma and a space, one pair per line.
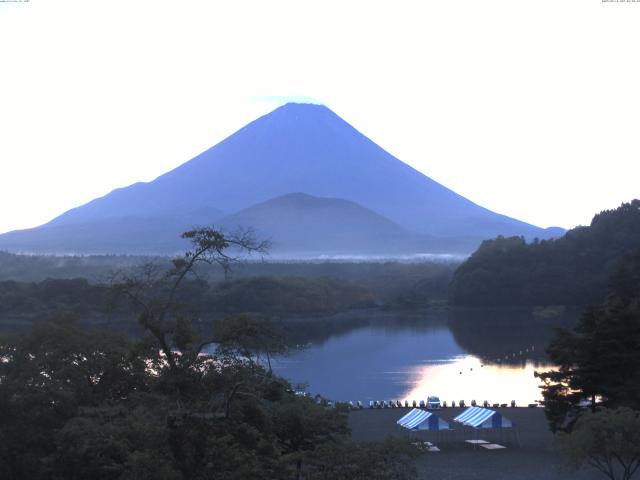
83, 287
177, 402
570, 270
22, 303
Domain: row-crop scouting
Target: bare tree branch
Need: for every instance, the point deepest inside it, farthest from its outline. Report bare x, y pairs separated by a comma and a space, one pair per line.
153, 291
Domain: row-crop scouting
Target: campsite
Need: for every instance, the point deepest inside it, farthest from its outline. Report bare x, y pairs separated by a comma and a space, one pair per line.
534, 458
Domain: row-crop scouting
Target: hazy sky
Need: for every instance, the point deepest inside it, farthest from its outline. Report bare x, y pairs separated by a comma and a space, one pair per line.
529, 108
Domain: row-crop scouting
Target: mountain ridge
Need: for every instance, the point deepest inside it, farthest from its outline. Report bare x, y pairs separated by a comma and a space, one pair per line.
301, 222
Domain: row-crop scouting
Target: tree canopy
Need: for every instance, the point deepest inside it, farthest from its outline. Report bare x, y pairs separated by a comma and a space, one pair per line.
599, 360
571, 270
177, 403
608, 440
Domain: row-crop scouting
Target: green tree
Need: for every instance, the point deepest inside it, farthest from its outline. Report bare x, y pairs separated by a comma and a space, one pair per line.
49, 376
608, 440
392, 459
154, 293
600, 358
250, 337
301, 426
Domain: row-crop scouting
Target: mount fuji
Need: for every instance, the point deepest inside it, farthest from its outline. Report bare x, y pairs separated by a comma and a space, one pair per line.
362, 196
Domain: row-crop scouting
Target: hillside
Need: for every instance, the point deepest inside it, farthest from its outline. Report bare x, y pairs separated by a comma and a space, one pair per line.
299, 221
571, 270
296, 148
303, 224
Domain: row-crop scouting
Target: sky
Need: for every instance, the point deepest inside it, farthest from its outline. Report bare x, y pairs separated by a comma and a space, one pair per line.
528, 108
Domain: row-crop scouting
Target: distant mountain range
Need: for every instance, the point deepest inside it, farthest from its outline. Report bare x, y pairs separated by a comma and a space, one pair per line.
299, 175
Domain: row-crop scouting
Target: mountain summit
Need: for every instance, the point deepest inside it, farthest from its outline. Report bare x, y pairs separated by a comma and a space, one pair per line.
295, 148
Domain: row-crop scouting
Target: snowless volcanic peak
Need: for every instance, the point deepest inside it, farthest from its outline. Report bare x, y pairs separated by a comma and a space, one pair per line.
303, 148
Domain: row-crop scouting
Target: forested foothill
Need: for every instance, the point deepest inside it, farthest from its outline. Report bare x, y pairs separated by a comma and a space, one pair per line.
571, 270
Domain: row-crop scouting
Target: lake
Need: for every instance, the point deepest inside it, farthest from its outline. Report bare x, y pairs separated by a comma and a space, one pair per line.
398, 357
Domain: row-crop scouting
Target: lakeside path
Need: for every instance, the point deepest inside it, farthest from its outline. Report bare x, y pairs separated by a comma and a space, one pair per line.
457, 460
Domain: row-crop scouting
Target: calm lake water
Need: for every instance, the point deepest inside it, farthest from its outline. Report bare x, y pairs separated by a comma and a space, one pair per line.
397, 357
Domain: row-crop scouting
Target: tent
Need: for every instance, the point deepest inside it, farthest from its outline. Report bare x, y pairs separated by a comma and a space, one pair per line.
478, 417
418, 419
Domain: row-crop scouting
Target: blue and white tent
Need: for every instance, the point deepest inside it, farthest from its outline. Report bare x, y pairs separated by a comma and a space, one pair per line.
478, 417
418, 419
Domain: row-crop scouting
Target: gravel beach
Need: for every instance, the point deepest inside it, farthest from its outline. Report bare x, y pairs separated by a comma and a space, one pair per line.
529, 455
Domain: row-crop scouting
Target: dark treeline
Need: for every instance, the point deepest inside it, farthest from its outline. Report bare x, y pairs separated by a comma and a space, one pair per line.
403, 284
95, 304
39, 300
571, 270
95, 268
276, 290
398, 283
287, 295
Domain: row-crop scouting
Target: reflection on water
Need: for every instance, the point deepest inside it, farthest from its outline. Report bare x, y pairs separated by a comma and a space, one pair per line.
467, 378
416, 356
505, 334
